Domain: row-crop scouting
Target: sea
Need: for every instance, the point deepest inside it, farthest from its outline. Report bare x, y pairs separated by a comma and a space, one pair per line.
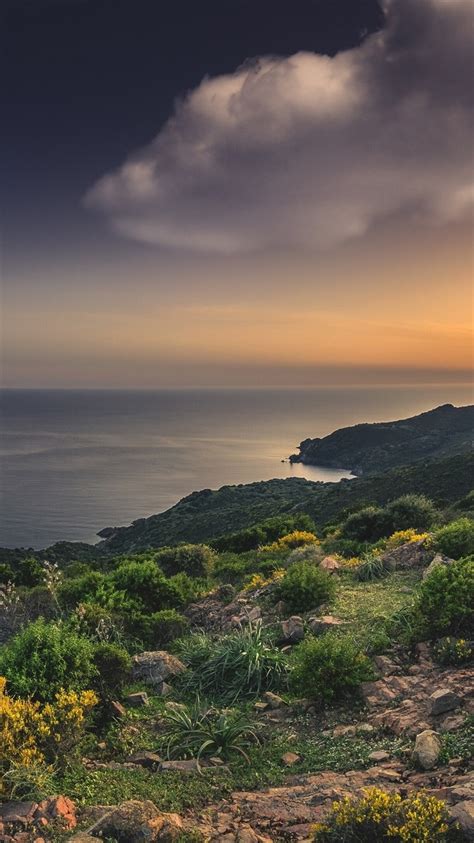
75, 461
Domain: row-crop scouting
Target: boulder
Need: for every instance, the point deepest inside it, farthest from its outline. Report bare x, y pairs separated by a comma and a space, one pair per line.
139, 822
427, 749
138, 699
378, 756
443, 700
274, 701
143, 758
324, 624
463, 813
155, 667
293, 630
408, 555
438, 560
385, 666
330, 564
290, 758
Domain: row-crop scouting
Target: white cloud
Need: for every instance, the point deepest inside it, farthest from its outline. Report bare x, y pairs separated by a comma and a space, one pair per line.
309, 151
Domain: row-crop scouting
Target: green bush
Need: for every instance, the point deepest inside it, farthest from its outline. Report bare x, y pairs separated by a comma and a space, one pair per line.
453, 651
305, 586
446, 599
82, 589
410, 511
266, 531
367, 525
45, 657
145, 583
113, 666
188, 588
156, 630
328, 667
241, 664
456, 539
197, 560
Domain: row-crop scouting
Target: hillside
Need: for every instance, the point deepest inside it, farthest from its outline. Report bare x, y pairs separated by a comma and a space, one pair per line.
372, 448
208, 514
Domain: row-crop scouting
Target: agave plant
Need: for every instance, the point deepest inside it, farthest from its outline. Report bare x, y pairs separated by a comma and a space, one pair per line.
243, 663
371, 568
198, 730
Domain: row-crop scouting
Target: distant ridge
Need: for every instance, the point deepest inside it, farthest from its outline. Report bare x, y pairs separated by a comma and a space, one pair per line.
372, 448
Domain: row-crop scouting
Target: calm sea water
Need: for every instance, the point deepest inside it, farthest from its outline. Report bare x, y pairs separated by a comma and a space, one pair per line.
73, 462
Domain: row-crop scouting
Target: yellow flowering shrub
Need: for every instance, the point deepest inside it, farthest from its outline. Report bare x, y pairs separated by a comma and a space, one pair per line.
453, 651
403, 537
379, 816
297, 538
259, 581
32, 734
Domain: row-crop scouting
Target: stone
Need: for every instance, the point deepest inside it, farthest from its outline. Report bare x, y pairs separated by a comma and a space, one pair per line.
427, 749
443, 700
138, 699
290, 758
378, 756
438, 560
330, 564
324, 623
255, 614
143, 758
344, 731
155, 667
365, 729
293, 630
452, 722
463, 813
82, 837
385, 666
409, 555
139, 822
117, 709
18, 811
274, 701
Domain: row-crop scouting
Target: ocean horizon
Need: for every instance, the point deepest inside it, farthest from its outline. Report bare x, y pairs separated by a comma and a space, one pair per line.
75, 461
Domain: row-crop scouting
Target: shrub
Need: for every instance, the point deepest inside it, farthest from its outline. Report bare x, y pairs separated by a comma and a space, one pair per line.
197, 560
403, 537
230, 568
188, 588
446, 599
298, 538
33, 735
266, 531
367, 525
158, 629
410, 512
380, 816
44, 658
328, 667
453, 651
83, 589
198, 730
306, 553
145, 583
305, 586
241, 664
456, 539
113, 666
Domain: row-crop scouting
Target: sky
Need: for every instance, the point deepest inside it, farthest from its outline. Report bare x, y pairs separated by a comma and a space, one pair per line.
242, 193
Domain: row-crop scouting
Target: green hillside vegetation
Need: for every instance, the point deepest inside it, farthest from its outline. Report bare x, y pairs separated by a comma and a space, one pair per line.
372, 448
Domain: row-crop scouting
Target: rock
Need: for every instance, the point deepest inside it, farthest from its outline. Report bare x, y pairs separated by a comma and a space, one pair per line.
274, 701
385, 666
452, 722
117, 709
324, 623
290, 758
155, 667
293, 630
463, 813
82, 837
365, 729
330, 564
443, 700
255, 614
280, 608
378, 756
438, 560
343, 731
427, 749
143, 758
139, 822
138, 699
409, 555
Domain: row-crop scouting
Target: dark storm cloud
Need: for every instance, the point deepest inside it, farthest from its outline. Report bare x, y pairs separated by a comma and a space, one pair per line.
309, 151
